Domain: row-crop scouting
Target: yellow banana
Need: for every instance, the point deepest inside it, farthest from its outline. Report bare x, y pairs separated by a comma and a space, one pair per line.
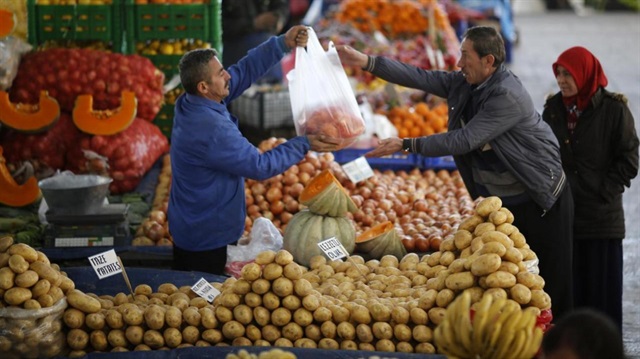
479, 320
490, 345
515, 350
463, 326
508, 334
533, 343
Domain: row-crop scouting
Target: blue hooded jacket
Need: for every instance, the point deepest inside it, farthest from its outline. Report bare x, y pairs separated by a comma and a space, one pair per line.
210, 159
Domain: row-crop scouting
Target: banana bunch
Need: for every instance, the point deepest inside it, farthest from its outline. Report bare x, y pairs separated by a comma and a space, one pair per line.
500, 329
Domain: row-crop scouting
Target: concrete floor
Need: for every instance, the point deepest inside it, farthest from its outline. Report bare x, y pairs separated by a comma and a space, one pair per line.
615, 39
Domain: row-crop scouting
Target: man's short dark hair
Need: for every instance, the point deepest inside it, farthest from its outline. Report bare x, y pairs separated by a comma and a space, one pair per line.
588, 333
194, 67
487, 41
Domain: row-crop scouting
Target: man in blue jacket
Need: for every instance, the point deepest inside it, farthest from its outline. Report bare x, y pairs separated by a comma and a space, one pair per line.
210, 157
500, 145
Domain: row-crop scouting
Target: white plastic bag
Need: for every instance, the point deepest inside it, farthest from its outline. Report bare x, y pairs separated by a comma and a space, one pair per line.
11, 51
264, 236
322, 100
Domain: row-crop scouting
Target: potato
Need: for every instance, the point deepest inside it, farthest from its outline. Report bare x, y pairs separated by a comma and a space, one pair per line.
272, 271
262, 316
283, 257
493, 247
518, 239
460, 281
302, 287
385, 345
154, 317
488, 205
167, 288
260, 286
45, 271
282, 287
18, 264
152, 338
213, 336
4, 259
41, 287
114, 319
500, 279
251, 272
291, 302
66, 284
253, 299
191, 334
233, 329
57, 294
470, 223
271, 333
483, 228
207, 318
134, 334
7, 277
117, 338
328, 343
26, 279
223, 314
436, 315
485, 264
6, 241
31, 304
192, 316
79, 300
322, 314
45, 300
281, 316
292, 331
173, 317
462, 239
520, 293
509, 267
25, 251
507, 228
513, 255
498, 217
95, 321
229, 299
243, 314
241, 287
172, 337
530, 280
131, 314
422, 333
265, 257
540, 299
143, 289
16, 296
270, 301
77, 339
382, 330
98, 340
73, 318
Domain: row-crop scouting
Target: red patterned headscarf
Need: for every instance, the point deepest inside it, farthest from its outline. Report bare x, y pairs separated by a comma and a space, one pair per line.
586, 71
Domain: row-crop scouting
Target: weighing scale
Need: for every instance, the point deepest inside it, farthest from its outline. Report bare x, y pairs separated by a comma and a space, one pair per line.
108, 226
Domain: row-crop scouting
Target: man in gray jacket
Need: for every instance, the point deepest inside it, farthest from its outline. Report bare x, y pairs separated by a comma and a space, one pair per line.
500, 145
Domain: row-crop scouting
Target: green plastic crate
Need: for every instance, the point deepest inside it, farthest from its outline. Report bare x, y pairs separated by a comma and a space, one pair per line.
164, 119
166, 63
76, 22
164, 22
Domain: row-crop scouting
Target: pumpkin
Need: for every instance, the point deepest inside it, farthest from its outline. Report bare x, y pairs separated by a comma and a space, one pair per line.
306, 229
8, 22
380, 240
324, 195
29, 118
105, 122
13, 194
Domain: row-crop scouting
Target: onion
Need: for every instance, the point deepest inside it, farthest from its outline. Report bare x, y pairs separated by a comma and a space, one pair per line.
258, 188
274, 194
155, 231
158, 216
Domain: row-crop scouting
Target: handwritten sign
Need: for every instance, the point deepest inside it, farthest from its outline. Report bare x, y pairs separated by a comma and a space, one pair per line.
105, 264
205, 290
358, 169
333, 249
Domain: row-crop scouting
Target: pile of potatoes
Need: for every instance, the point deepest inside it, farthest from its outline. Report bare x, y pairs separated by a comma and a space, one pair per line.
32, 292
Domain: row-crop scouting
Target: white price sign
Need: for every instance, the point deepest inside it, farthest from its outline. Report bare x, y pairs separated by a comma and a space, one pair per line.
358, 169
333, 249
205, 290
105, 264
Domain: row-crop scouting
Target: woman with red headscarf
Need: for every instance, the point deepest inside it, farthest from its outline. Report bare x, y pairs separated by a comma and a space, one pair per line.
599, 149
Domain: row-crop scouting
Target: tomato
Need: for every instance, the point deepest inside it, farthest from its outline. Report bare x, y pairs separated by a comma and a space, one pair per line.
546, 316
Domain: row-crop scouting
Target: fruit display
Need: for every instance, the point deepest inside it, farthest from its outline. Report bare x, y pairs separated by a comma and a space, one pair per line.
499, 329
69, 73
29, 118
176, 47
379, 241
419, 120
328, 204
74, 2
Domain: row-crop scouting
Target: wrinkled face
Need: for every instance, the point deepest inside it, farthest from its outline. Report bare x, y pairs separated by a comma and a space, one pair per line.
475, 69
216, 86
566, 82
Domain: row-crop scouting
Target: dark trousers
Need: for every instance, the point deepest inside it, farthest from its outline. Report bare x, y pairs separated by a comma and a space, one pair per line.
597, 273
212, 261
551, 238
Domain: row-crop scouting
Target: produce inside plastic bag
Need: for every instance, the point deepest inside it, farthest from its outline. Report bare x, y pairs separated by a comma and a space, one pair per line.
322, 100
11, 50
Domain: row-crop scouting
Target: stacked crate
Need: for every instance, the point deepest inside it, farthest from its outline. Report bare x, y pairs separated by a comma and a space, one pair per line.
57, 20
164, 32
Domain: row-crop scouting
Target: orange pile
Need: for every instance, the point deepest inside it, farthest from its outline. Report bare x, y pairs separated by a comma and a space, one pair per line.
392, 18
419, 120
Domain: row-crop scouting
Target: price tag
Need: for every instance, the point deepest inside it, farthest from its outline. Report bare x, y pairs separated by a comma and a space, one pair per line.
105, 264
333, 249
358, 169
205, 290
